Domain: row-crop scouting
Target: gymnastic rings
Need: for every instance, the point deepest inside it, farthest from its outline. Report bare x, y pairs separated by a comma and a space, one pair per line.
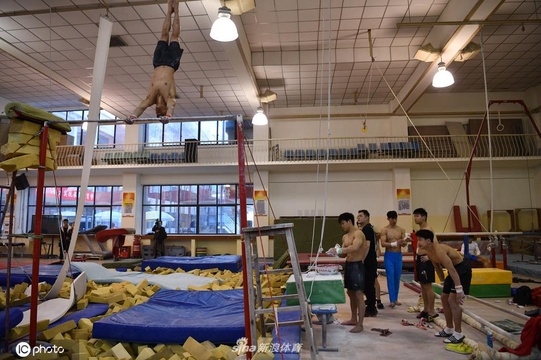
500, 126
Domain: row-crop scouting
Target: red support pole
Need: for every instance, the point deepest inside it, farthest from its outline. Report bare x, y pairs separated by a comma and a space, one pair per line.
34, 292
243, 224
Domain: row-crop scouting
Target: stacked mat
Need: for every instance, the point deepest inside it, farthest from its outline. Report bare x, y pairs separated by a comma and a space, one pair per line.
23, 144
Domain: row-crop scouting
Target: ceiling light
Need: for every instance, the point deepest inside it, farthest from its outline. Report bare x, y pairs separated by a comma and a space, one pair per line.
427, 53
224, 29
443, 77
268, 96
260, 118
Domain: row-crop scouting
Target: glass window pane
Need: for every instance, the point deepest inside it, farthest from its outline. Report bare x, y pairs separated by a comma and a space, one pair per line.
190, 130
90, 196
69, 195
171, 134
101, 195
188, 194
188, 219
169, 195
226, 194
169, 217
117, 195
75, 115
32, 196
52, 196
226, 220
75, 135
151, 195
207, 220
154, 133
120, 136
209, 131
106, 135
60, 114
207, 194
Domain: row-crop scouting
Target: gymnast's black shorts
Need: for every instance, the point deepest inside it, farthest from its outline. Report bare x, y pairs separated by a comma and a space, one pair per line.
167, 54
354, 275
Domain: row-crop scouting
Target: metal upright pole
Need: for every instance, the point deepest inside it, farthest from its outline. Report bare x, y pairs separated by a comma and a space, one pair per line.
243, 224
37, 235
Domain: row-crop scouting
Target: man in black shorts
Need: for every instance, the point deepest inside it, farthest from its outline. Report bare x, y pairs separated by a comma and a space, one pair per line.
455, 286
425, 270
354, 249
166, 61
370, 263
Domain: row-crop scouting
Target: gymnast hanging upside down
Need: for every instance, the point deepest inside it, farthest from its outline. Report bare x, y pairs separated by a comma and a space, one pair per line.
166, 61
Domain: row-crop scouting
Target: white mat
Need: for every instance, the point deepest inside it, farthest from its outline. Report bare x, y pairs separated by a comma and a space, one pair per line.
180, 281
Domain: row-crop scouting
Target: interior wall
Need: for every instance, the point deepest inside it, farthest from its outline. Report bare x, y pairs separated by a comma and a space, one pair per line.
339, 127
433, 191
299, 194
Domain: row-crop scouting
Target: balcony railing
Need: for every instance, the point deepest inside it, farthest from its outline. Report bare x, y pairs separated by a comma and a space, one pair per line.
377, 149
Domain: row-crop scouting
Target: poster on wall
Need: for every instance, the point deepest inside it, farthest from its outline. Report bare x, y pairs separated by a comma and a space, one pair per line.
260, 202
403, 198
128, 204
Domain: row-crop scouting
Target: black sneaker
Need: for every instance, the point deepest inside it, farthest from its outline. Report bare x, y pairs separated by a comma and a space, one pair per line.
380, 305
430, 318
368, 313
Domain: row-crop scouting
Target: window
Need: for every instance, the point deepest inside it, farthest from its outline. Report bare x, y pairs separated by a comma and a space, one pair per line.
106, 136
200, 209
208, 132
103, 205
3, 204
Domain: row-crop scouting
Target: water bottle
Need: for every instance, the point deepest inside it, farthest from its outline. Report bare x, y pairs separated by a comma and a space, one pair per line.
490, 338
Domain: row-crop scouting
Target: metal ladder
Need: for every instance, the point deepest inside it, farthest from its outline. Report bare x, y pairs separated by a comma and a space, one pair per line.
255, 296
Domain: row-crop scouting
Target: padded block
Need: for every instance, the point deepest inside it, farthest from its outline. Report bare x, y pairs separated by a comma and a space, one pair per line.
485, 291
488, 276
326, 289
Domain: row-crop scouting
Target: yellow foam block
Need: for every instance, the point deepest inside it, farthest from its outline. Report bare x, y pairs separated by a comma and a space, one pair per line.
486, 276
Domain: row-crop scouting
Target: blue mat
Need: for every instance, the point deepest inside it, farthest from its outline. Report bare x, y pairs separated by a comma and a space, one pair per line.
171, 316
47, 273
186, 263
15, 317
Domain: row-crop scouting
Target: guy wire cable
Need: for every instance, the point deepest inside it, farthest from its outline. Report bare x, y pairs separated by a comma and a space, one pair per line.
326, 179
491, 225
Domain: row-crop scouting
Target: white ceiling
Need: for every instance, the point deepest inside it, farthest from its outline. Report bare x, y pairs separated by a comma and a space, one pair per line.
47, 49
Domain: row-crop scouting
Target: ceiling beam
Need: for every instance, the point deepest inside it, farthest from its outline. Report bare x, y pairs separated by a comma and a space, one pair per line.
84, 7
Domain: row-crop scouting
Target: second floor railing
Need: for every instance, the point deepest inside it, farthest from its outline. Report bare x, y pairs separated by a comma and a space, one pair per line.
307, 150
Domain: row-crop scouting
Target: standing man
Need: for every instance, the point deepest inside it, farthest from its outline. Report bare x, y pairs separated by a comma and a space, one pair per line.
354, 249
425, 269
455, 286
166, 61
159, 239
370, 263
65, 238
392, 239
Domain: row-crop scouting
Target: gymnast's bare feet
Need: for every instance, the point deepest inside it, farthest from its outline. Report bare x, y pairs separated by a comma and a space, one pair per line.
349, 322
357, 329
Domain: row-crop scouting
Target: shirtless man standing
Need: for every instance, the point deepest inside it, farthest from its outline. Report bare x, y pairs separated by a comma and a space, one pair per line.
455, 286
166, 61
425, 270
392, 239
354, 249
